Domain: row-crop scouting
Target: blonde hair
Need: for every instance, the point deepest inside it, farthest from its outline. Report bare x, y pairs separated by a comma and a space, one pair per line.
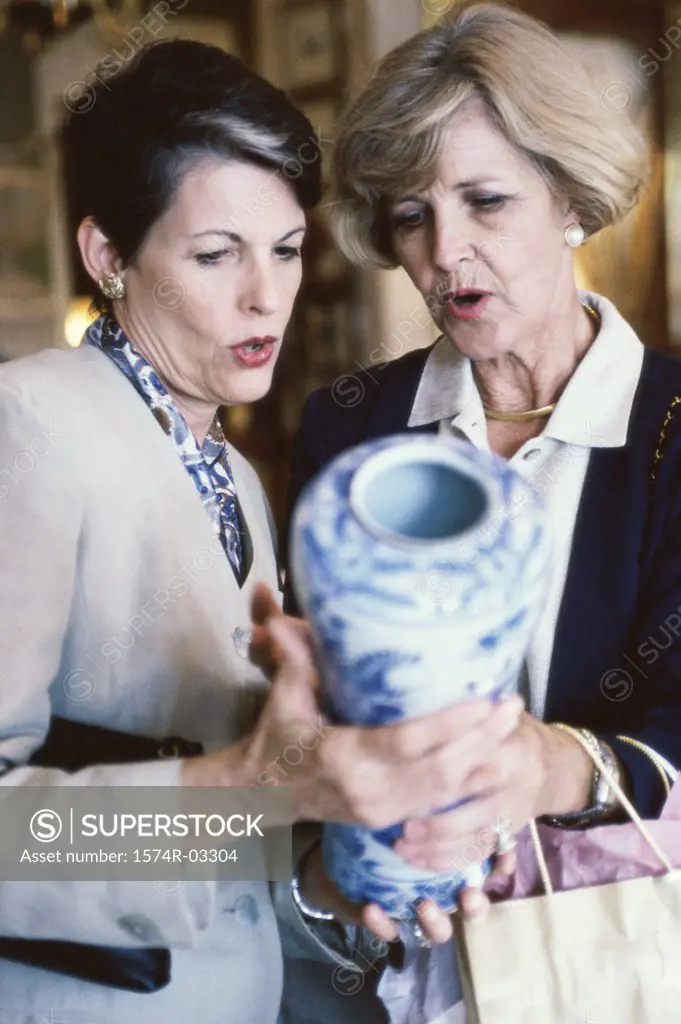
534, 92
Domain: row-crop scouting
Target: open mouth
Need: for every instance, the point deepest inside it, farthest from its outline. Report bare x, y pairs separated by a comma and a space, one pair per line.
467, 303
255, 351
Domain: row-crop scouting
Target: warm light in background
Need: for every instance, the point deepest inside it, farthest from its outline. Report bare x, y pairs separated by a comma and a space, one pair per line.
239, 418
581, 276
78, 319
433, 10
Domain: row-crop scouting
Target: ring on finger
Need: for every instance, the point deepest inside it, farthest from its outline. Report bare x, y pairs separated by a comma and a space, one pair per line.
420, 935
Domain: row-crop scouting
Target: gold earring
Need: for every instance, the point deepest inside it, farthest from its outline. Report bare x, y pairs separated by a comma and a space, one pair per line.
574, 235
112, 286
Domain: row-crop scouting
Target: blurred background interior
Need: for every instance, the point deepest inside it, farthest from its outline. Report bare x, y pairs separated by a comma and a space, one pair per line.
320, 51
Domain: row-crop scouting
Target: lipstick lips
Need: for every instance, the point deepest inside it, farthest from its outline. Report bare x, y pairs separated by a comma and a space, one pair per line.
254, 352
467, 303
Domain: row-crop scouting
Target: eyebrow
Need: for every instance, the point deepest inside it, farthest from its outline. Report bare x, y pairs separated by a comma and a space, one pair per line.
472, 183
237, 239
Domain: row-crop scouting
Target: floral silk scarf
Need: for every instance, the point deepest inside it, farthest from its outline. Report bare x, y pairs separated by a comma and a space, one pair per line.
208, 465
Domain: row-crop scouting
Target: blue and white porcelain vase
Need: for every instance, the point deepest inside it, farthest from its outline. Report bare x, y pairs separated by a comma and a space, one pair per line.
421, 564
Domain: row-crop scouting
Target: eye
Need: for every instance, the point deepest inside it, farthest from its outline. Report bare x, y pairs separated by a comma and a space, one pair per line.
288, 253
488, 202
409, 220
210, 259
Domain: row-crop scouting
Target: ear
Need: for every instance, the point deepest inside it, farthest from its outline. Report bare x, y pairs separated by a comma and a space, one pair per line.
569, 215
97, 252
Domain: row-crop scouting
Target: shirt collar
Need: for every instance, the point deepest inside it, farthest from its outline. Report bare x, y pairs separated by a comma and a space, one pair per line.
594, 409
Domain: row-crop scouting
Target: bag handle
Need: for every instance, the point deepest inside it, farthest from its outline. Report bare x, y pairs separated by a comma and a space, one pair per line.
666, 771
623, 799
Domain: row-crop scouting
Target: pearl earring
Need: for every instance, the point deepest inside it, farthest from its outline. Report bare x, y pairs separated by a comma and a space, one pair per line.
574, 235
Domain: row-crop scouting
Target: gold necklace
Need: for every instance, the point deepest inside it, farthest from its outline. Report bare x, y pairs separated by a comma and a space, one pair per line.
545, 410
519, 417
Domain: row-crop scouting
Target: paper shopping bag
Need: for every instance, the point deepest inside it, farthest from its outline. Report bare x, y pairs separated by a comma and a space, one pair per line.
601, 954
608, 954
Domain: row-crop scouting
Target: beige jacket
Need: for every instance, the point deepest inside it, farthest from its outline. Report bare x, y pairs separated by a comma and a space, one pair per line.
118, 607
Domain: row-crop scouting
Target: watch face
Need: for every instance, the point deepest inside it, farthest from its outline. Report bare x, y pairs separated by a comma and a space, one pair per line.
604, 795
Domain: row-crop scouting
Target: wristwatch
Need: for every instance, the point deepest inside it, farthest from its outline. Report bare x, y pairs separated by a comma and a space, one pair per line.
305, 908
603, 796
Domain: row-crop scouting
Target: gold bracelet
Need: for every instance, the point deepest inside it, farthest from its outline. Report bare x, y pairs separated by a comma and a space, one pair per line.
603, 797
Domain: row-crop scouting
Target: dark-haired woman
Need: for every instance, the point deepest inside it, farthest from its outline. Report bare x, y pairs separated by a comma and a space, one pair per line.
132, 537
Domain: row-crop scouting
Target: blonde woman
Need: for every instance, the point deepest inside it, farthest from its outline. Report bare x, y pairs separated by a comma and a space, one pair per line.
478, 159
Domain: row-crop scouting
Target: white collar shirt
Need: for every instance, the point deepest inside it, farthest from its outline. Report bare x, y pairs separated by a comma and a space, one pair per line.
592, 412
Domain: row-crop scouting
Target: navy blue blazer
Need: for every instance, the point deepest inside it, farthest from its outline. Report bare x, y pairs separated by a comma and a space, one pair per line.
616, 663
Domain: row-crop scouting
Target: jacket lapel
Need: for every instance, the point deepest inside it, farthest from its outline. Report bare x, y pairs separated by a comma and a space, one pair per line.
395, 396
601, 587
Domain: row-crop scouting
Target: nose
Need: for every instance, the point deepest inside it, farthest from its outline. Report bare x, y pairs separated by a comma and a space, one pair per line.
452, 240
260, 292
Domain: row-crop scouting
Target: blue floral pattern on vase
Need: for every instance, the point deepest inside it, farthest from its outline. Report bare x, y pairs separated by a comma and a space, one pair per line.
421, 564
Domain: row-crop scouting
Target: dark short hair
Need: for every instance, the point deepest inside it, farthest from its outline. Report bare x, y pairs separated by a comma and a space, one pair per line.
142, 126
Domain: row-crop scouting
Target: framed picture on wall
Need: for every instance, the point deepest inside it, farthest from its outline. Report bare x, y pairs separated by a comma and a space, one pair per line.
212, 31
23, 258
26, 301
328, 340
323, 115
312, 54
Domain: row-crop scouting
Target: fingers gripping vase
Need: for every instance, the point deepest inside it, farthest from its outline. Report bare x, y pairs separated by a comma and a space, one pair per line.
421, 564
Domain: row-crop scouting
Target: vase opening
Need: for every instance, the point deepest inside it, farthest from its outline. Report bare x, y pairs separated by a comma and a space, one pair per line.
417, 496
